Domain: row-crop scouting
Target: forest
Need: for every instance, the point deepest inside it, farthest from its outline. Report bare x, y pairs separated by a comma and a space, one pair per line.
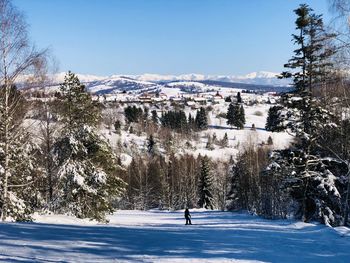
54, 158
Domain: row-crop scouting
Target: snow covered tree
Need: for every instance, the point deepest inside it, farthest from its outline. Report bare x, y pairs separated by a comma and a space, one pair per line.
311, 63
78, 109
245, 188
17, 57
47, 134
205, 184
88, 170
312, 178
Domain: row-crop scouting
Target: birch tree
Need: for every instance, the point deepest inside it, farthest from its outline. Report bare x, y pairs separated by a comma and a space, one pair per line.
17, 59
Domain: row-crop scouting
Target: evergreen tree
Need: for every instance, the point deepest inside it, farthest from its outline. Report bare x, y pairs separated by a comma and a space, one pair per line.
117, 126
191, 122
224, 141
78, 109
150, 144
235, 116
154, 116
88, 169
274, 120
311, 181
241, 118
134, 114
239, 98
231, 114
205, 185
269, 140
311, 63
201, 119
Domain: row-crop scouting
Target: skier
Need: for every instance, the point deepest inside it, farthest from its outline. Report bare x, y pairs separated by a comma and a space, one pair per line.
188, 217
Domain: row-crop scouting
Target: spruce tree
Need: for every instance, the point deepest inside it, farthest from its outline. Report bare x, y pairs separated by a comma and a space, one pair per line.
205, 185
88, 169
224, 141
235, 116
154, 116
201, 119
231, 114
78, 109
274, 121
239, 98
309, 177
241, 118
150, 144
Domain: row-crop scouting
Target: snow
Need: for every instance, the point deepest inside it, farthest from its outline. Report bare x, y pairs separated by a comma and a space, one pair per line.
158, 236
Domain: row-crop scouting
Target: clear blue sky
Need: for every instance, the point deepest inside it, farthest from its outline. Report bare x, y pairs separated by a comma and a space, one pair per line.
106, 37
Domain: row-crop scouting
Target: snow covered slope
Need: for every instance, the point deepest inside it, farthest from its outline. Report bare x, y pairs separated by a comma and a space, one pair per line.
115, 84
156, 236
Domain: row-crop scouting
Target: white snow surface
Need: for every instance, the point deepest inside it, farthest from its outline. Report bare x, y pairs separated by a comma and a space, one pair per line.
159, 236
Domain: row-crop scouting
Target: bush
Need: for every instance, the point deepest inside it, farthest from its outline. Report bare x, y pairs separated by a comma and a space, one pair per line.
258, 113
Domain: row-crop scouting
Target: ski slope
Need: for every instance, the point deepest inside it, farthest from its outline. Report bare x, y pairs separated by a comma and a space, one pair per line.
155, 236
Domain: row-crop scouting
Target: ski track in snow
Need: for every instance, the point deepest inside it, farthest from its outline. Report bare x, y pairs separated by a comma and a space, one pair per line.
158, 236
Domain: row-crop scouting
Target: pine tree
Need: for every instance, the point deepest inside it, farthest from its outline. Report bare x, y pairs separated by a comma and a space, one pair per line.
78, 109
241, 118
117, 126
201, 119
224, 141
235, 116
239, 98
150, 144
231, 114
310, 177
205, 184
191, 122
269, 140
311, 62
88, 169
274, 121
154, 116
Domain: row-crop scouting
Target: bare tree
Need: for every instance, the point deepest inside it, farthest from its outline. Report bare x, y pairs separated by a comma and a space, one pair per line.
17, 59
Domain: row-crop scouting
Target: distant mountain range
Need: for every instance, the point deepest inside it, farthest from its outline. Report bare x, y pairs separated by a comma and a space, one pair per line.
258, 78
262, 80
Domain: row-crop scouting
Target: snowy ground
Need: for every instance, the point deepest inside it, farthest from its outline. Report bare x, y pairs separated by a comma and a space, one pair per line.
162, 237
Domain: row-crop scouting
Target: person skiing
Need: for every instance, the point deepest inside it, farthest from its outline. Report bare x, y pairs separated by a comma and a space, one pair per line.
188, 217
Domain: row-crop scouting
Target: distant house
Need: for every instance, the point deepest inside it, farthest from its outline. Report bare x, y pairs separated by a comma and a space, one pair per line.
200, 99
218, 98
145, 98
177, 99
163, 96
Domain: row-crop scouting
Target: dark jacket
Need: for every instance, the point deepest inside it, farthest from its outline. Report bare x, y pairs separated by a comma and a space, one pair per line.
187, 213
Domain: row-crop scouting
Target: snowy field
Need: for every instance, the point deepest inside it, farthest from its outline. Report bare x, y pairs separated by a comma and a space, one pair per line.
134, 236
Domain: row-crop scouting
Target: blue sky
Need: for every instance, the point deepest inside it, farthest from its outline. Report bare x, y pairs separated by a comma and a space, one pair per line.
105, 37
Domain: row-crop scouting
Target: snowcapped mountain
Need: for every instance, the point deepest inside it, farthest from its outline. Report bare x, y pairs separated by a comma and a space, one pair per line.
150, 82
257, 78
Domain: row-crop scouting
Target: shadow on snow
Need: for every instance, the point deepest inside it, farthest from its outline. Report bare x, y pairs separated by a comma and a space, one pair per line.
225, 236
